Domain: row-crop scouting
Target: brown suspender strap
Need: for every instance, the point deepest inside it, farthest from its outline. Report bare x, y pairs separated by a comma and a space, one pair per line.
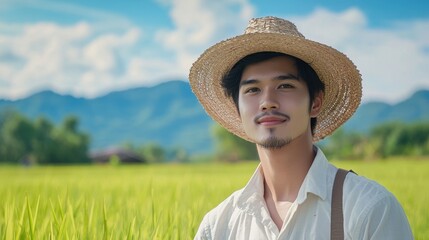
337, 225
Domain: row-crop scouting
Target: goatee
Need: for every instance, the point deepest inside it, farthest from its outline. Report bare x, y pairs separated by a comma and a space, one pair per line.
274, 143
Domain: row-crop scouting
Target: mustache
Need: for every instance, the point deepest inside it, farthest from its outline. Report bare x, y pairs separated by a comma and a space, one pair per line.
271, 113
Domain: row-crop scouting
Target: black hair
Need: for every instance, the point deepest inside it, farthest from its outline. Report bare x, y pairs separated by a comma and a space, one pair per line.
231, 80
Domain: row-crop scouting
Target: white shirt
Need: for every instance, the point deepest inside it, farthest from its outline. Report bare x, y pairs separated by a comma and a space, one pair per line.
370, 211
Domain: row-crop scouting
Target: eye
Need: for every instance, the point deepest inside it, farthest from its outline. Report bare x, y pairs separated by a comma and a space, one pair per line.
285, 85
252, 90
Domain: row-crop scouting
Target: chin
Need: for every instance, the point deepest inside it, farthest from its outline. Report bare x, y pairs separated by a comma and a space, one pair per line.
273, 142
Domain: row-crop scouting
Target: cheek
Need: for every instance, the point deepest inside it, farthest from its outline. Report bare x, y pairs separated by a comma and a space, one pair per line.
244, 113
247, 111
245, 106
304, 104
298, 108
297, 102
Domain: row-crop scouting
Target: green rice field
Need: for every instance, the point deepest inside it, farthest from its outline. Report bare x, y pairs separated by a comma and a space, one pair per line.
159, 201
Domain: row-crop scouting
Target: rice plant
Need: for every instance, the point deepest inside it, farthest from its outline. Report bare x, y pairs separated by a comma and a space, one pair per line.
158, 201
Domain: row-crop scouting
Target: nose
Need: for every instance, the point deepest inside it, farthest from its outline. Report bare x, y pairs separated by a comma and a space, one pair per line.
269, 102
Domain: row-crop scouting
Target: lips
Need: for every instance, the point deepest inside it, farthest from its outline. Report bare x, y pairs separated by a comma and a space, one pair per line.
271, 119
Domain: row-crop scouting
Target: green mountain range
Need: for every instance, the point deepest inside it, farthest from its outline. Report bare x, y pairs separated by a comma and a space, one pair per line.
413, 109
170, 115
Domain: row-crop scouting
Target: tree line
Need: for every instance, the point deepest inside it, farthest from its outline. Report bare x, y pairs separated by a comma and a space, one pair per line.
383, 141
155, 153
40, 141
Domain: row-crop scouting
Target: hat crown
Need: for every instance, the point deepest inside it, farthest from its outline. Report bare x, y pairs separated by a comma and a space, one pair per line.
272, 25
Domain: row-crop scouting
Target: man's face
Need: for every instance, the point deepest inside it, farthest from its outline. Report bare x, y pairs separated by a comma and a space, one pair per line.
274, 103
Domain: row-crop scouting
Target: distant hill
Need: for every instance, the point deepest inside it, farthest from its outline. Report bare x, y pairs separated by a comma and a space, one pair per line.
412, 109
169, 114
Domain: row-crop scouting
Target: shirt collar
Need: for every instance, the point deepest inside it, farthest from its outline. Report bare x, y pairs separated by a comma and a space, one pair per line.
315, 182
252, 195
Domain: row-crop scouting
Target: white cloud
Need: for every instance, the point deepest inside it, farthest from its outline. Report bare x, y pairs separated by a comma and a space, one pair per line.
201, 23
332, 28
68, 59
393, 61
35, 55
100, 54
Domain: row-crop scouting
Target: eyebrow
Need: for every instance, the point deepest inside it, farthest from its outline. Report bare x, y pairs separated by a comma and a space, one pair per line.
278, 78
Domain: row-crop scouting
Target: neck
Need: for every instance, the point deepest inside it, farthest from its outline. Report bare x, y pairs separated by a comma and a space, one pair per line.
285, 168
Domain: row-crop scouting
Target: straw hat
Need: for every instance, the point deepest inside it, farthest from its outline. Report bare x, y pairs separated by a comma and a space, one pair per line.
343, 87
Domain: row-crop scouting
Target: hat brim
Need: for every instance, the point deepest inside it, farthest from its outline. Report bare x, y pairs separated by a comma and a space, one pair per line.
343, 85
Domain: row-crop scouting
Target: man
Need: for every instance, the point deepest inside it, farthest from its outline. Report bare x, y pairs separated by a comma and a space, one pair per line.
273, 87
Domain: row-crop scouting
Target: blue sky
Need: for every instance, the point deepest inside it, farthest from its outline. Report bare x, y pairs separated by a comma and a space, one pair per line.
89, 48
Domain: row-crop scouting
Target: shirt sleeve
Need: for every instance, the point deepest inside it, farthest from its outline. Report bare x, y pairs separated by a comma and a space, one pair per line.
203, 232
384, 220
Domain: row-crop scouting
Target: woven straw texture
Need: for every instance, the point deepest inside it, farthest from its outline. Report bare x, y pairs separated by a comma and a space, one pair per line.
343, 87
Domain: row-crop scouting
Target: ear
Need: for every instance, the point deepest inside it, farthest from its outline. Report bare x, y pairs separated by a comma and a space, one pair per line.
316, 105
